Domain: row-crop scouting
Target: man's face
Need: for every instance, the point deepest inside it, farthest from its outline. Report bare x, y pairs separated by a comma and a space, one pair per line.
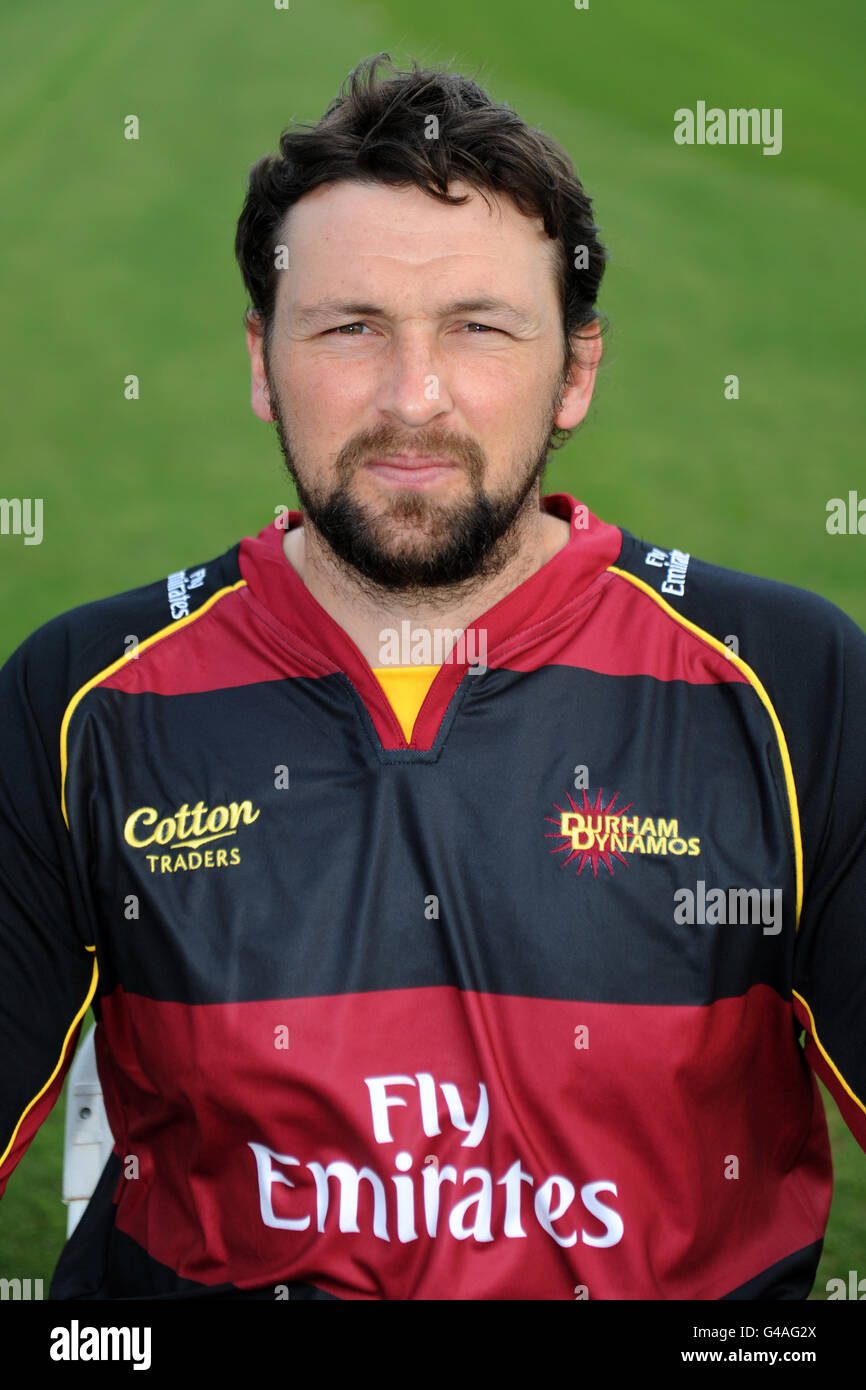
415, 374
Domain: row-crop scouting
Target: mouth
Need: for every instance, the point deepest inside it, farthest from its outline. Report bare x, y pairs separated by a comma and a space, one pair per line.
417, 471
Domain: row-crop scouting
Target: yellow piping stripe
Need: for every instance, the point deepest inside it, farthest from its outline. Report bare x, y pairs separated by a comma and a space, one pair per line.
72, 1027
753, 680
132, 655
827, 1058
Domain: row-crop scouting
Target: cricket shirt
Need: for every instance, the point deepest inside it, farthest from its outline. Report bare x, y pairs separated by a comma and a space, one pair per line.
524, 998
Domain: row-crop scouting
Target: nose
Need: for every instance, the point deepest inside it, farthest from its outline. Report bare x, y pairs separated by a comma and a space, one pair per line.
412, 387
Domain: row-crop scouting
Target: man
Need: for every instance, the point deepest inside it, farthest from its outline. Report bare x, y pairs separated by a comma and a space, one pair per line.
452, 874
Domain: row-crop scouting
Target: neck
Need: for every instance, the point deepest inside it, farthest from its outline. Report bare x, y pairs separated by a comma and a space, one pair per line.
363, 611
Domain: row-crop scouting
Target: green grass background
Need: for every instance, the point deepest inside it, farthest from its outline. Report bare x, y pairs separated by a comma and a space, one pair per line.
117, 258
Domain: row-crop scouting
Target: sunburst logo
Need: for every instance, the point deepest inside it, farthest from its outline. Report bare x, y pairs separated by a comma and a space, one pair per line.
592, 834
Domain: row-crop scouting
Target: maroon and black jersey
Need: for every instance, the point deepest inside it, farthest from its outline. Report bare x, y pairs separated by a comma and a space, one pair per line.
510, 1010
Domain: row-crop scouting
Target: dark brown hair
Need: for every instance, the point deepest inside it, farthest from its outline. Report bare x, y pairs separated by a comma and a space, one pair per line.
376, 130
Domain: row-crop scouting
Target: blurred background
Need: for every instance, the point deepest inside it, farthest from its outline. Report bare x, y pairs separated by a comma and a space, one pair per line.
116, 258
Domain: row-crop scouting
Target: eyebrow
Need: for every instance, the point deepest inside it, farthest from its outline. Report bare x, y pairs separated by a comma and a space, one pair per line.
310, 314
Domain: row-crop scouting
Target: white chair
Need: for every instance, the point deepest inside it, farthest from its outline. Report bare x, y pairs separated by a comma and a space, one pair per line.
88, 1140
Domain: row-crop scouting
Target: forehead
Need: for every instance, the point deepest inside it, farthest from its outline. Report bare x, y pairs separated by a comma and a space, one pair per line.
361, 233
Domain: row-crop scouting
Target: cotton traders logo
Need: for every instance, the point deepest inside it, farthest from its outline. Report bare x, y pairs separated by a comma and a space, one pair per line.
594, 834
177, 841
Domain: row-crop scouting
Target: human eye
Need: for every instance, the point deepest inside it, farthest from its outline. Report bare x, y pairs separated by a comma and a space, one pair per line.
343, 327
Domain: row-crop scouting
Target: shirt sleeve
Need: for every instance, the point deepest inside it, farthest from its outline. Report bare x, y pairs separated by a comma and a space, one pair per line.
48, 916
810, 659
829, 988
48, 969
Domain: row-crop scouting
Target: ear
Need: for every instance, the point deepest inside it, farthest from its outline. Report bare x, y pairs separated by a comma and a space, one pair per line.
577, 392
260, 397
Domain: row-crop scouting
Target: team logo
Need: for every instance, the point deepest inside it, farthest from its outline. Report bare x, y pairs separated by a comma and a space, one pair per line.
182, 840
598, 834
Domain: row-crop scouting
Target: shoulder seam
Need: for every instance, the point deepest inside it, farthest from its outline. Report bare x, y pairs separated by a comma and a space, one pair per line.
174, 626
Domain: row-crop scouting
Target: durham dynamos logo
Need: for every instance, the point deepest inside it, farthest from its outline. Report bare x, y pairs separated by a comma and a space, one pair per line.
181, 836
593, 833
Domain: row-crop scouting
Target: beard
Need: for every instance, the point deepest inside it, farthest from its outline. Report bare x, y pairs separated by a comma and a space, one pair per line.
412, 544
